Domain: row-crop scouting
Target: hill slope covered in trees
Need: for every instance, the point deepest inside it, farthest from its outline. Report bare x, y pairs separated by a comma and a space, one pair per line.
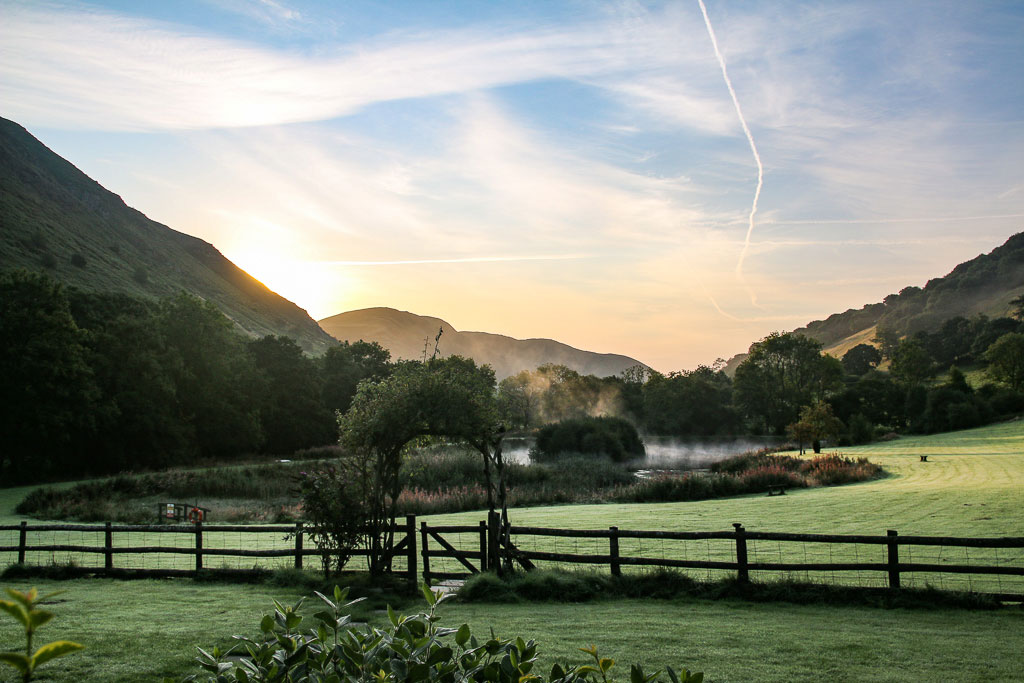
57, 220
984, 285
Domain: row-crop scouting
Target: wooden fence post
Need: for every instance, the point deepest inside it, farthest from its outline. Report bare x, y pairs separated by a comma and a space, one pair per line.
742, 573
22, 542
613, 546
894, 559
494, 541
426, 558
410, 534
483, 546
298, 545
109, 546
199, 545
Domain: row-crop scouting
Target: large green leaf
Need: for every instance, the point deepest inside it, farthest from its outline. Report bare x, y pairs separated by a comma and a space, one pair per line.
26, 599
57, 648
38, 617
16, 610
17, 660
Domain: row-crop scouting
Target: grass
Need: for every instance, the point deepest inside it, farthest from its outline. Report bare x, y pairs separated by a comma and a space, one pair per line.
734, 641
970, 486
144, 630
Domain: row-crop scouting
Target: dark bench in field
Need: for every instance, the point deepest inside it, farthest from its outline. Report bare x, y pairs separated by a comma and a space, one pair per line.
777, 491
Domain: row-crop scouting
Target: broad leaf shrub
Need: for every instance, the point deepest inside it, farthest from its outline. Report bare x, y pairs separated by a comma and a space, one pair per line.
612, 437
22, 607
410, 649
335, 514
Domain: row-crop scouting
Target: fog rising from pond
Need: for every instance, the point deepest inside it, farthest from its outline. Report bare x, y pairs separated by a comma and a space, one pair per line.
663, 452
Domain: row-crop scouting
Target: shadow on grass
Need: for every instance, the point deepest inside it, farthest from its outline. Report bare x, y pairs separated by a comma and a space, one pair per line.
569, 586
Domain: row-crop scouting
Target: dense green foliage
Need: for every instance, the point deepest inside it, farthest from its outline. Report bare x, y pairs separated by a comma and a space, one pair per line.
975, 286
100, 383
782, 374
612, 437
443, 397
410, 648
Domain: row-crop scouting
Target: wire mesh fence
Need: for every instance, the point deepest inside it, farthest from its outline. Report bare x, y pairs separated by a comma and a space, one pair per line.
993, 565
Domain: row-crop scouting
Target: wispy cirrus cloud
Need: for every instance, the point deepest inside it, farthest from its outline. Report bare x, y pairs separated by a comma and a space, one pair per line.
114, 72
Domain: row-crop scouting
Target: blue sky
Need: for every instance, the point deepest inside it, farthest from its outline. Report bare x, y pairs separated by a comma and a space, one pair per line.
573, 170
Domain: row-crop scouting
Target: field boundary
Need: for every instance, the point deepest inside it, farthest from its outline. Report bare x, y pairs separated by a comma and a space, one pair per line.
492, 546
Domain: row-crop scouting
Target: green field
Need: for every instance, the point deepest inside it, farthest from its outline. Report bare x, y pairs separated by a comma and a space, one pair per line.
972, 485
144, 630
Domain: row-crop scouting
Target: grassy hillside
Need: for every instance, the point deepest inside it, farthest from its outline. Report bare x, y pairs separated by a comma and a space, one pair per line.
55, 219
404, 335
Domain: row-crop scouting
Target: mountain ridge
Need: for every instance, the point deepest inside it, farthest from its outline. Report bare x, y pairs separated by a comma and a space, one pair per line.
983, 285
56, 219
411, 336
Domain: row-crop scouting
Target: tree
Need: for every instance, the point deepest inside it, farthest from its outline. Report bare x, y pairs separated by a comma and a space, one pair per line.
48, 391
450, 397
519, 399
861, 359
698, 402
887, 339
816, 423
1017, 308
292, 411
911, 363
782, 373
138, 424
217, 386
344, 366
1006, 360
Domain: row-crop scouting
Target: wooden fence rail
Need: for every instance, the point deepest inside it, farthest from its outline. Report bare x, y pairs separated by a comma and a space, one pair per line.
405, 546
488, 546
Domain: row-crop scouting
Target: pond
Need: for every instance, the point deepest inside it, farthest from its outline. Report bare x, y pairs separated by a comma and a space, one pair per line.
665, 452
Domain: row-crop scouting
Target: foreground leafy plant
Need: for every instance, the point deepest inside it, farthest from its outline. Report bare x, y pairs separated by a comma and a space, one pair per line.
22, 607
412, 649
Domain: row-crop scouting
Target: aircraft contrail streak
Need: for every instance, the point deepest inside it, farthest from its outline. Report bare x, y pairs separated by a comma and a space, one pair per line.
750, 139
470, 259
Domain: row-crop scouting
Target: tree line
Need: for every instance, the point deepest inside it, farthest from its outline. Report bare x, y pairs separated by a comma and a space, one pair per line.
96, 383
787, 386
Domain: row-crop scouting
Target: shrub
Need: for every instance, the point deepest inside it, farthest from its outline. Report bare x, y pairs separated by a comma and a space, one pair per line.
335, 514
22, 607
613, 437
412, 648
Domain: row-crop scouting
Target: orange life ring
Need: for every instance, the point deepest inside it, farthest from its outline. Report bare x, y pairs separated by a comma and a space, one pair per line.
195, 515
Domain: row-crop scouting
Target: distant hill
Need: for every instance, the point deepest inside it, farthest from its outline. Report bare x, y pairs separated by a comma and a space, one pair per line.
984, 285
55, 219
404, 334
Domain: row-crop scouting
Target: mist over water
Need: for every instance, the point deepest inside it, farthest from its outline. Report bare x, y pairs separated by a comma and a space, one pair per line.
663, 452
669, 452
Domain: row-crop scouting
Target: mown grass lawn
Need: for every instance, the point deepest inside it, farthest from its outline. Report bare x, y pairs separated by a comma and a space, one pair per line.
147, 629
972, 485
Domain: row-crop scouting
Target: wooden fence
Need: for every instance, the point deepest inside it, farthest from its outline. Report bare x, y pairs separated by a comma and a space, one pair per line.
199, 547
481, 547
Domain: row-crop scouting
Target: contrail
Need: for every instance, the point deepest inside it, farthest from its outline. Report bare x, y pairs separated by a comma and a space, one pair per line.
471, 259
753, 148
